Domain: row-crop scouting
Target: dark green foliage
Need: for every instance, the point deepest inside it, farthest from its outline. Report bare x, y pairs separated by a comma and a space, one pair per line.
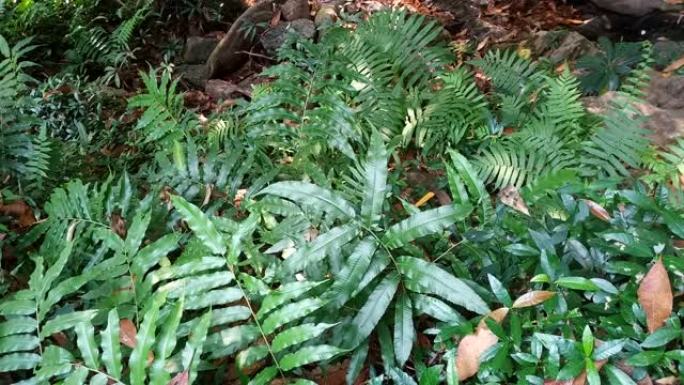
605, 70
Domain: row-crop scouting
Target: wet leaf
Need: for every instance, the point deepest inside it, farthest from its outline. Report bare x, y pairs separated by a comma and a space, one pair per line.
472, 346
128, 333
597, 210
533, 298
655, 296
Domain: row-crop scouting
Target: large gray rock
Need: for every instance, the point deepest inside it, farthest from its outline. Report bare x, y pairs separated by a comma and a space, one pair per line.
295, 9
664, 112
195, 75
219, 89
560, 46
631, 7
229, 55
274, 37
198, 49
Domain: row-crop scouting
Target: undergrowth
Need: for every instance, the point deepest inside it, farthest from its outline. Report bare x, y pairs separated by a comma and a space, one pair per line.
282, 240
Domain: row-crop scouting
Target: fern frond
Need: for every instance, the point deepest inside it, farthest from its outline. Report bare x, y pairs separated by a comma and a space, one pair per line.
511, 74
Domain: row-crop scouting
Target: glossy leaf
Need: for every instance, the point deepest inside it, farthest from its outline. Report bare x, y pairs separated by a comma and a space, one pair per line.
404, 332
309, 354
311, 195
201, 225
424, 223
372, 311
655, 296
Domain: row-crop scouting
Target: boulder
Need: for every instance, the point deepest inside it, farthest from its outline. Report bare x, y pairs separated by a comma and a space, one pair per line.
631, 7
664, 112
560, 46
295, 9
198, 48
229, 55
220, 89
326, 14
274, 37
195, 75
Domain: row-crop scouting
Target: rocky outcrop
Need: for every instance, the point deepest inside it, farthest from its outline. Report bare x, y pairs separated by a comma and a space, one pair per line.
274, 37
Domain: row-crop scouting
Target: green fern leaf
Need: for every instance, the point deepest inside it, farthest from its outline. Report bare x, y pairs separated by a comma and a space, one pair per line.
424, 223
309, 354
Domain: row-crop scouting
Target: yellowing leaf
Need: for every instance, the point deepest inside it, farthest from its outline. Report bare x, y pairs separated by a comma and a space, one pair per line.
597, 210
655, 296
472, 346
533, 298
510, 196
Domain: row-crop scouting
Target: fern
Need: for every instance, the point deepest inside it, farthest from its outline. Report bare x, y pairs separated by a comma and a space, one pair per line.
165, 118
510, 74
24, 155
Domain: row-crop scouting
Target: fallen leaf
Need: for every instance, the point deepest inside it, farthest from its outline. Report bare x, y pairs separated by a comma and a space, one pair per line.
655, 296
532, 298
181, 378
20, 211
674, 66
128, 334
425, 199
670, 380
510, 196
473, 345
597, 210
118, 225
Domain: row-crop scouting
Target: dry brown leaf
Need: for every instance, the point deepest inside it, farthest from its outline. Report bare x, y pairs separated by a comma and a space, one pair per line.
597, 210
671, 380
118, 225
472, 346
181, 378
510, 196
533, 298
20, 211
655, 296
127, 333
674, 66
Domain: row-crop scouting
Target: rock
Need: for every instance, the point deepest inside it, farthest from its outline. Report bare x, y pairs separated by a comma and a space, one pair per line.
295, 9
631, 7
560, 46
220, 89
198, 49
665, 124
229, 55
325, 15
274, 37
196, 75
666, 92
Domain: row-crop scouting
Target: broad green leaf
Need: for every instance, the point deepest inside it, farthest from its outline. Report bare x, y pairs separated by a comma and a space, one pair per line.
587, 341
617, 376
18, 325
52, 273
313, 252
213, 298
151, 254
645, 358
608, 349
145, 339
428, 278
193, 348
18, 306
352, 273
404, 332
309, 354
264, 377
431, 375
437, 309
291, 312
311, 195
451, 371
165, 345
375, 181
424, 223
500, 291
18, 343
298, 334
358, 359
77, 377
661, 337
197, 284
136, 232
251, 355
111, 350
18, 361
577, 283
85, 340
286, 293
66, 321
200, 224
372, 311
